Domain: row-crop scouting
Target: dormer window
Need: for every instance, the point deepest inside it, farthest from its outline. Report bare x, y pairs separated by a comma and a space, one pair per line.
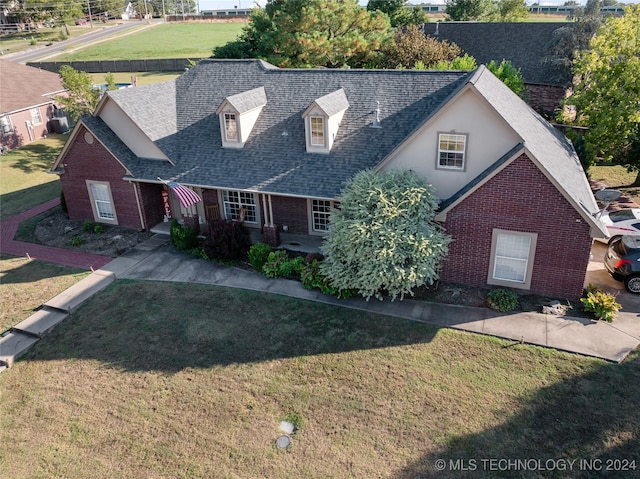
238, 115
230, 127
317, 131
322, 120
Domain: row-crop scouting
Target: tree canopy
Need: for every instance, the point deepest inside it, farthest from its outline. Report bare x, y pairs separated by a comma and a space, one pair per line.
383, 238
487, 10
412, 46
311, 33
398, 11
607, 91
81, 98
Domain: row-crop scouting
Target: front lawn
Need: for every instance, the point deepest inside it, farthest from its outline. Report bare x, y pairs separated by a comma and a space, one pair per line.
24, 178
154, 379
617, 177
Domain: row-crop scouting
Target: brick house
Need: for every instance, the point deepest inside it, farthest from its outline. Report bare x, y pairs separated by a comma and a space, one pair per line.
525, 45
278, 145
27, 103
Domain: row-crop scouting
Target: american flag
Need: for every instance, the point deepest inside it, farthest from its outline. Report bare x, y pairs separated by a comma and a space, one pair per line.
186, 196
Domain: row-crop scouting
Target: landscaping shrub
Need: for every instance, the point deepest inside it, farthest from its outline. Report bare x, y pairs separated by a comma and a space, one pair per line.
279, 265
311, 277
181, 237
502, 300
98, 229
227, 240
75, 241
311, 257
601, 304
87, 226
258, 255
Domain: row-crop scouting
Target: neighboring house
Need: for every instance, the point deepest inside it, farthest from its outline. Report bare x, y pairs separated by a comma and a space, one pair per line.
129, 11
279, 144
525, 45
27, 103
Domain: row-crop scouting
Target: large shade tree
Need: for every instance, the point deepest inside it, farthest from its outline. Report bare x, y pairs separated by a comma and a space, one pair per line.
311, 33
607, 90
399, 11
80, 97
383, 239
411, 46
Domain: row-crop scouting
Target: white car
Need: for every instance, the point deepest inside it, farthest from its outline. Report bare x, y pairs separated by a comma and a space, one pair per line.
622, 222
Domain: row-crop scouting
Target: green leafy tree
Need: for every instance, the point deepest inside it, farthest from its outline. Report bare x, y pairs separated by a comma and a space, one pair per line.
508, 74
311, 33
383, 238
465, 62
607, 91
512, 10
467, 10
398, 11
57, 11
571, 38
411, 46
81, 98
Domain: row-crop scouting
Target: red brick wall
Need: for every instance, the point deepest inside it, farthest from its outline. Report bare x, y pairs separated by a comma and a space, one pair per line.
291, 212
151, 200
94, 162
545, 99
21, 134
519, 198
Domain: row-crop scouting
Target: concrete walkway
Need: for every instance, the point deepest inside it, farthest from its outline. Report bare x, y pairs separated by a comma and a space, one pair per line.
156, 260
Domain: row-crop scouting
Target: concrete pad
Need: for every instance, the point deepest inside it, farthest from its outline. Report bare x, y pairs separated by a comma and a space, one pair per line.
119, 266
628, 324
528, 327
80, 292
41, 322
14, 345
591, 339
451, 314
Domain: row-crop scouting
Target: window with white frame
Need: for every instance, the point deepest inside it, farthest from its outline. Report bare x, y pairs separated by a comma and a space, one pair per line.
5, 125
36, 117
320, 213
451, 151
235, 200
512, 258
102, 202
230, 127
317, 131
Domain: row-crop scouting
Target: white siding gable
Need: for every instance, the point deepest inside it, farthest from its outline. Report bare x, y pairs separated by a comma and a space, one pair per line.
488, 138
330, 109
243, 108
127, 130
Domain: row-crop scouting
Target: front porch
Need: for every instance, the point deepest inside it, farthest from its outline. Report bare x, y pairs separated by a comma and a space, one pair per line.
289, 241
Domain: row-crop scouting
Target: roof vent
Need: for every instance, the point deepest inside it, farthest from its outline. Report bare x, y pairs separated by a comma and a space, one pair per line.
376, 121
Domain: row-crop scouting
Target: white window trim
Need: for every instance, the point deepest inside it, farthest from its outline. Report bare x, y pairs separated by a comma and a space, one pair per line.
526, 284
224, 124
96, 216
9, 123
464, 153
38, 114
324, 133
311, 223
256, 205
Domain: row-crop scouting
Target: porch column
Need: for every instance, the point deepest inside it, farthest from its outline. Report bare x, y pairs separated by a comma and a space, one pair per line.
270, 232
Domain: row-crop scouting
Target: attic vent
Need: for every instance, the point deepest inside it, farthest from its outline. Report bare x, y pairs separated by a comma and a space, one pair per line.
376, 121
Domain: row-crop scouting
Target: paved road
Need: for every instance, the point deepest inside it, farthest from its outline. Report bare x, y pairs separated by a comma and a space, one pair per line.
93, 35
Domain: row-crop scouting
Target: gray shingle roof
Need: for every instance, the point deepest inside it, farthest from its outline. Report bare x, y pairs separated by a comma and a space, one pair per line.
333, 103
248, 100
274, 158
525, 45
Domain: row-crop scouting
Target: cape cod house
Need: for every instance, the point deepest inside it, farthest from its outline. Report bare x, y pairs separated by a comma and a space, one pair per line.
276, 145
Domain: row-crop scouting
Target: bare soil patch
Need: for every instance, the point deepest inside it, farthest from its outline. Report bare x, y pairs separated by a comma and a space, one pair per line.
59, 231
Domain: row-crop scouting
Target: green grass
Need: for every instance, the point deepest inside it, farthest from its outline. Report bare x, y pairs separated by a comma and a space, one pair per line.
153, 379
144, 78
21, 41
25, 182
168, 40
25, 284
617, 177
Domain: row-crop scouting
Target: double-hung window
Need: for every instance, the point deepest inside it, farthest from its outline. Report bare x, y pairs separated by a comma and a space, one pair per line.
317, 131
235, 200
5, 125
36, 116
230, 127
102, 202
451, 151
320, 212
512, 258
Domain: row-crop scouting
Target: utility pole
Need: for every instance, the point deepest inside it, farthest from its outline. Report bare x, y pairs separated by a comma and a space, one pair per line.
146, 12
90, 19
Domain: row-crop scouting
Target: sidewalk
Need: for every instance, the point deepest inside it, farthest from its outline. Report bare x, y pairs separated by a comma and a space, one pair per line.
155, 260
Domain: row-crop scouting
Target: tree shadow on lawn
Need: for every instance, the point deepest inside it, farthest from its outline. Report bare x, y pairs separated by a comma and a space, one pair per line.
592, 418
144, 326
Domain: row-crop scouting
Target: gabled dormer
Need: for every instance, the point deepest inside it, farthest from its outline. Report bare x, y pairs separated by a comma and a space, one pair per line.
322, 119
238, 114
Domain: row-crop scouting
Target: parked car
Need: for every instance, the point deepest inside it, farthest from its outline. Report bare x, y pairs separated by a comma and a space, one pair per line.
622, 260
81, 21
625, 222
